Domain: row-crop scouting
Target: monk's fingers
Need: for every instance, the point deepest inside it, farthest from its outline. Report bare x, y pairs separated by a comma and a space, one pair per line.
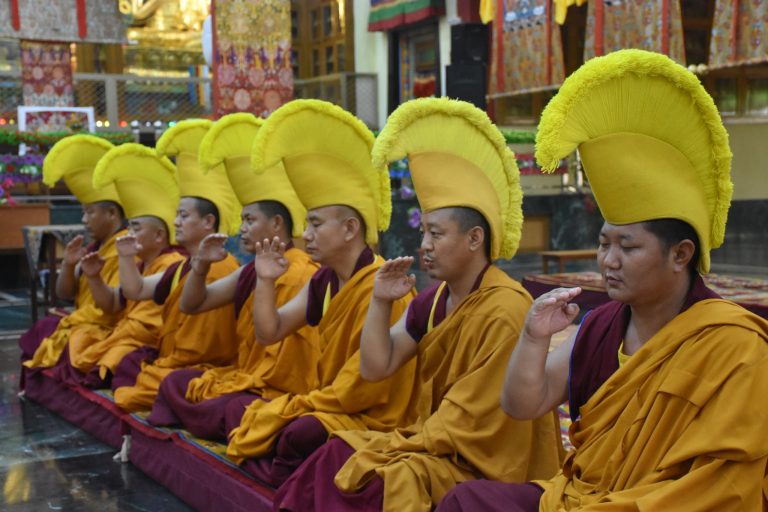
275, 245
412, 280
214, 240
571, 310
404, 263
76, 242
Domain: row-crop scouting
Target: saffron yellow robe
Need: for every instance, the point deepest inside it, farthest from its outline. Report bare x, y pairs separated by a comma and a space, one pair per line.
681, 426
87, 323
340, 399
139, 326
460, 432
186, 341
269, 371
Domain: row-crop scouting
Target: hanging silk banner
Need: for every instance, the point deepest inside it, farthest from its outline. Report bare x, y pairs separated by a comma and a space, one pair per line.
251, 56
390, 14
46, 74
527, 49
739, 33
653, 25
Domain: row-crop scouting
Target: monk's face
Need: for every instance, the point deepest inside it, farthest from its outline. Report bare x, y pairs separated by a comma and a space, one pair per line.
447, 250
100, 220
255, 227
327, 233
635, 266
150, 234
190, 226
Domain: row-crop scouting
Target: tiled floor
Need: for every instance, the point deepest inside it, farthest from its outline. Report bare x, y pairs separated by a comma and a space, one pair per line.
48, 464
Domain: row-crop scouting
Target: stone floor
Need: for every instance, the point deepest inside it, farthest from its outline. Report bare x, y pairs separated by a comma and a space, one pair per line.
48, 464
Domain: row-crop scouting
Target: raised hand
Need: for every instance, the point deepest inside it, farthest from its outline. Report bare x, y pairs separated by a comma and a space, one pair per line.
74, 251
212, 248
91, 264
270, 262
127, 245
392, 280
551, 313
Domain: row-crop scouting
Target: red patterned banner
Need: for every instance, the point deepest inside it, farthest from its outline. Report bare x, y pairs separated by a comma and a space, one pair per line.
252, 56
46, 73
739, 33
527, 49
654, 25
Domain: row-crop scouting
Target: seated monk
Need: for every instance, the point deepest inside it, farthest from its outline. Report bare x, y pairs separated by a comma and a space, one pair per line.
662, 379
326, 153
207, 206
74, 159
195, 398
148, 189
460, 331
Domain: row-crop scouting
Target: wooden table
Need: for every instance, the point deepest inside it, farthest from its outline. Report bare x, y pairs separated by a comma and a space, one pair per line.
562, 256
44, 245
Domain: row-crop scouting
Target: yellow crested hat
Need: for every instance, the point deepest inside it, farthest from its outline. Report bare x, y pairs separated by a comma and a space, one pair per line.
229, 141
457, 157
183, 142
326, 152
74, 158
651, 141
146, 183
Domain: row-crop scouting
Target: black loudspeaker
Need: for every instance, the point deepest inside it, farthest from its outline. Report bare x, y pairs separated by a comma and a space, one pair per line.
469, 43
466, 82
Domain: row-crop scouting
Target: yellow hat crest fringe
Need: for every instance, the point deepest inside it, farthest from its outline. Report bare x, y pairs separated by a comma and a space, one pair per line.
214, 148
265, 155
184, 139
146, 183
391, 145
229, 142
551, 143
76, 153
176, 138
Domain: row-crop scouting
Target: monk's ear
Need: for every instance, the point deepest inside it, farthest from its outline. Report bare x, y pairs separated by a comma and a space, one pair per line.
351, 227
681, 254
276, 223
476, 237
209, 221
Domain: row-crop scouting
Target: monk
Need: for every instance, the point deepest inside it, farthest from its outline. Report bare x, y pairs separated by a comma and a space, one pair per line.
460, 331
74, 159
208, 205
147, 187
661, 379
198, 399
139, 326
344, 214
185, 340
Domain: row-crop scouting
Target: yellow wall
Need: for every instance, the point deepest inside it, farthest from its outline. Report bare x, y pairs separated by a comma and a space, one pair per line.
749, 144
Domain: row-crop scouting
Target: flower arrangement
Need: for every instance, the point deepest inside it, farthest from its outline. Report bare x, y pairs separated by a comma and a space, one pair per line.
5, 195
14, 138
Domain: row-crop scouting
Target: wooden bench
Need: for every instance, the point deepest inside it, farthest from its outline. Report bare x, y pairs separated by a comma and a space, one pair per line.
561, 257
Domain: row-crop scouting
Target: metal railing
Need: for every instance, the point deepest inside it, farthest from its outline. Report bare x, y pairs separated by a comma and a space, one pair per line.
122, 99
